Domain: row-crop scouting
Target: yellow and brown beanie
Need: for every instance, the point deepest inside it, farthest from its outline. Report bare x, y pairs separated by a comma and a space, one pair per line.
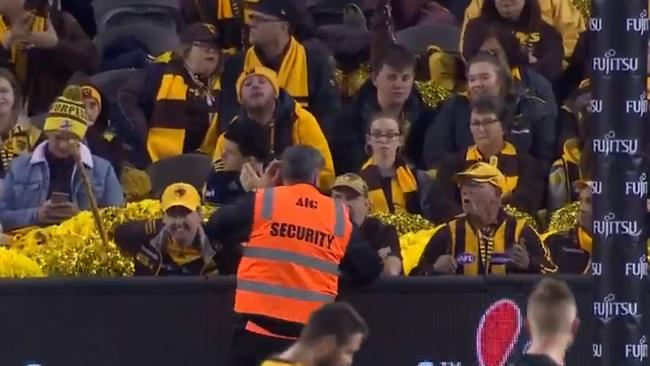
68, 113
269, 74
90, 92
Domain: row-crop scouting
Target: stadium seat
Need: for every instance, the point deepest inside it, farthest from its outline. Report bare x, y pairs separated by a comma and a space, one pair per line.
417, 39
110, 13
109, 82
157, 39
188, 168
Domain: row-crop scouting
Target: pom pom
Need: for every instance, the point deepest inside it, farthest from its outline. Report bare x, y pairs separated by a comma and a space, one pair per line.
16, 265
520, 215
404, 222
136, 184
565, 218
584, 6
73, 92
432, 94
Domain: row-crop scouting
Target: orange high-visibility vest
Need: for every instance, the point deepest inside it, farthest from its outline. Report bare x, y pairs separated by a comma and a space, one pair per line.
290, 266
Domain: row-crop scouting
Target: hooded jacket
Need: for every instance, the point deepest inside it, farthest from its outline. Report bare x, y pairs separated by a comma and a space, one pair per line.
293, 125
27, 184
533, 128
535, 36
561, 14
351, 127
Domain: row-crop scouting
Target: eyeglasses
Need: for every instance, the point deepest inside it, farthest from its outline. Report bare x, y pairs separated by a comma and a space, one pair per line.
484, 123
387, 135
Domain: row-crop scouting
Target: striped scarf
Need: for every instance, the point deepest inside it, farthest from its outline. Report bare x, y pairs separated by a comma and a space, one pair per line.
170, 119
18, 51
506, 160
403, 196
293, 75
20, 139
487, 249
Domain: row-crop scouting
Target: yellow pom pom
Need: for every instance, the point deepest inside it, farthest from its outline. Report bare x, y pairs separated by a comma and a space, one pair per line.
584, 6
565, 218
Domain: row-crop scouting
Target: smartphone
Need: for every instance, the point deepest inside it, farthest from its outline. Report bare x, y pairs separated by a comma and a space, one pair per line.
59, 197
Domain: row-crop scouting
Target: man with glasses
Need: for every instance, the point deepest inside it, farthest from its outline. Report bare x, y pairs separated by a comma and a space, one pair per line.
304, 70
174, 246
523, 184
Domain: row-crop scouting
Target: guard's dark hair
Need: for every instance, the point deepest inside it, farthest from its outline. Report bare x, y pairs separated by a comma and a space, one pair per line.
337, 319
300, 164
395, 56
548, 304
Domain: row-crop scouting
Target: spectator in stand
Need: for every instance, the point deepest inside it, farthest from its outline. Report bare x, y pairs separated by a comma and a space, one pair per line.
395, 187
500, 41
17, 133
175, 245
571, 249
304, 70
523, 184
170, 106
245, 146
531, 121
352, 190
44, 187
573, 162
102, 140
538, 40
485, 240
285, 121
391, 92
44, 46
561, 14
225, 15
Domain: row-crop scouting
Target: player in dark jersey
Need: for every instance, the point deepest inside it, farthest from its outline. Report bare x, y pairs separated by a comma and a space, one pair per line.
553, 322
332, 336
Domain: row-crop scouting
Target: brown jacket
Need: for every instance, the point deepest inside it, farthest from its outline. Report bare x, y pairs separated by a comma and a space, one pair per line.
49, 70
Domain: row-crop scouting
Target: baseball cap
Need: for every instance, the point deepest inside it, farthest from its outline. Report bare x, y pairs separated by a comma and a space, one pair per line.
281, 9
180, 195
200, 32
353, 182
482, 173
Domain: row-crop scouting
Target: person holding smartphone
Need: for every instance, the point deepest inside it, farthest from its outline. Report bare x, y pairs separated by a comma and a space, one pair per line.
484, 239
46, 187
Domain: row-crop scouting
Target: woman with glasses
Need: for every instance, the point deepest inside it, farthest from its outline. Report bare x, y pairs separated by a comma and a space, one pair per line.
523, 185
393, 186
532, 121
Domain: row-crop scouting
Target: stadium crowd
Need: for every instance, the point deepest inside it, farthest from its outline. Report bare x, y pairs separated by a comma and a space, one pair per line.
481, 131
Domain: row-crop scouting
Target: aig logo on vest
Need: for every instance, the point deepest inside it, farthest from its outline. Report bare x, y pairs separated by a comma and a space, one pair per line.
610, 63
609, 144
637, 351
610, 226
638, 188
638, 25
638, 107
639, 269
609, 309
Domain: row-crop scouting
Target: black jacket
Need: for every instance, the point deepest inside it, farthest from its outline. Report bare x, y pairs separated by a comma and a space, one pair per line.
348, 146
533, 129
324, 100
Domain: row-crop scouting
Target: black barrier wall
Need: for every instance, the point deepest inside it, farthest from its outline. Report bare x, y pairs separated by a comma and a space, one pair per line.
177, 322
618, 45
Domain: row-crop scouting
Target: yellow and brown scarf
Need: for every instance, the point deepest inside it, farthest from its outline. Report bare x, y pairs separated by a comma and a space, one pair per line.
18, 52
506, 161
293, 75
169, 118
403, 196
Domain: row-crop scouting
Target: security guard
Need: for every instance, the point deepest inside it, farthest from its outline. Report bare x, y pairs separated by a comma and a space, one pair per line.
484, 240
297, 241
